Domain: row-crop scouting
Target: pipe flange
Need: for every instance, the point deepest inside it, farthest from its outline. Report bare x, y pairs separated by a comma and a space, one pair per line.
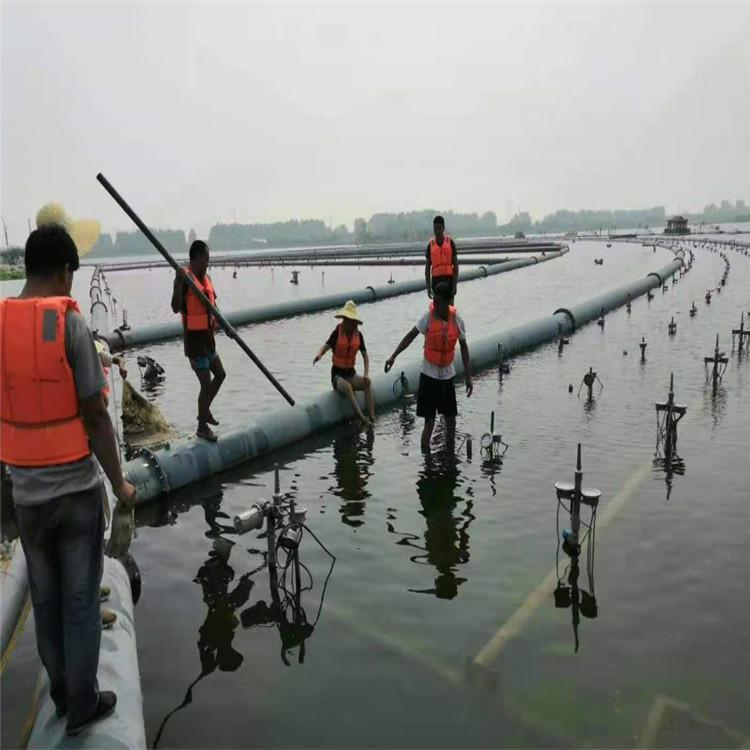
374, 293
153, 462
565, 311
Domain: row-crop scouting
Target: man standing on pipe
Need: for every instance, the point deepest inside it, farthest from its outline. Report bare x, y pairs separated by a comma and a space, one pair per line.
345, 341
198, 332
52, 418
442, 327
442, 259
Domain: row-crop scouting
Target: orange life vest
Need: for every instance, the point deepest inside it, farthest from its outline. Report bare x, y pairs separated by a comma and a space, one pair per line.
440, 339
196, 317
441, 257
40, 424
345, 353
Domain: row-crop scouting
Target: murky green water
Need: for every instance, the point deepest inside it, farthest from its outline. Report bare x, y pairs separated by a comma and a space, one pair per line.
434, 555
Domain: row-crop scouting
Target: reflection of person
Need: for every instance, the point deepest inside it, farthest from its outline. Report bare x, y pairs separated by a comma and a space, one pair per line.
198, 327
442, 327
441, 262
345, 341
217, 632
52, 418
446, 539
352, 476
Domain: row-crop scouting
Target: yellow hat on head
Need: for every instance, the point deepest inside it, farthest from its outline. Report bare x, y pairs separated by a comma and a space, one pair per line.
85, 232
349, 310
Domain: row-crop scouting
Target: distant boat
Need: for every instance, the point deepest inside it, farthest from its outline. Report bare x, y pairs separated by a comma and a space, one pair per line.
609, 244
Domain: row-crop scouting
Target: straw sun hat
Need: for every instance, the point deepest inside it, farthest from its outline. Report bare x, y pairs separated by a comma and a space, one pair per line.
349, 310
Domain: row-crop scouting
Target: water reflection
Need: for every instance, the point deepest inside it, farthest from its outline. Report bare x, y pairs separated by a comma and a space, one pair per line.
716, 403
446, 537
353, 461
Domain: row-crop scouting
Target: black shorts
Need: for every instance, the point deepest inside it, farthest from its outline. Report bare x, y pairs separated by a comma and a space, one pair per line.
339, 372
436, 396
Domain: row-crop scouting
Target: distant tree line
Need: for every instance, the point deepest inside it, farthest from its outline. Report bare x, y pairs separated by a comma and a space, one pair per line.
409, 226
135, 243
278, 234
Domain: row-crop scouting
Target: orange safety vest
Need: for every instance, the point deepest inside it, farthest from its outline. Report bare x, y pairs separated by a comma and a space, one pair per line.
196, 317
440, 339
346, 349
441, 257
40, 424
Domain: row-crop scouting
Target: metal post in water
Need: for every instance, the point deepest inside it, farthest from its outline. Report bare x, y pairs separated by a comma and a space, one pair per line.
643, 346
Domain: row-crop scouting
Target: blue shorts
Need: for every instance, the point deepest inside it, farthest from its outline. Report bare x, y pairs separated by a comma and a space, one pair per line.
203, 363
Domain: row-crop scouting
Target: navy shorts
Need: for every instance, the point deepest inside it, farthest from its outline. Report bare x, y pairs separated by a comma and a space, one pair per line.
203, 363
436, 396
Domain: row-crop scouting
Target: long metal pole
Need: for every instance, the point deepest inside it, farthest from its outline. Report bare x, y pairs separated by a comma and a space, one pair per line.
226, 326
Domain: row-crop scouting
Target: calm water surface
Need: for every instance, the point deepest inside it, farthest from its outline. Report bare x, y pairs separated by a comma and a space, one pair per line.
434, 555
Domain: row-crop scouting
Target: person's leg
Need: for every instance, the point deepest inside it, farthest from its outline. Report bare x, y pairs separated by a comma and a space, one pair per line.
81, 546
219, 376
36, 528
203, 373
450, 432
429, 424
361, 383
344, 387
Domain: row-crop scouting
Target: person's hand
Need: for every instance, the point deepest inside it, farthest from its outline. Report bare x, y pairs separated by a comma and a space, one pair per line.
123, 372
179, 277
469, 387
389, 363
316, 359
125, 492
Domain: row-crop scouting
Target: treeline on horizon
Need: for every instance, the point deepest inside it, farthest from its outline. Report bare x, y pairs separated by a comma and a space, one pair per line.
410, 226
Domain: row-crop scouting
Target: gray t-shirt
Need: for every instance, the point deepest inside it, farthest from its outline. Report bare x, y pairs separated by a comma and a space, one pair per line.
433, 371
32, 486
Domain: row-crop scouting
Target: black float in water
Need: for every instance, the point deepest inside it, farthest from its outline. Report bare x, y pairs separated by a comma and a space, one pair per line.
627, 306
693, 310
643, 346
295, 278
741, 333
708, 296
719, 363
672, 327
561, 340
600, 322
581, 602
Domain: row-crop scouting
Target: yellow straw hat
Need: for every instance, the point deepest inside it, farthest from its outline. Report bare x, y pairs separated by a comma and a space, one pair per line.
349, 310
85, 232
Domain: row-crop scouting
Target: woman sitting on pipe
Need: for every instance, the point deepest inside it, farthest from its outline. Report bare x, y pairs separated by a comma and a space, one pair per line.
345, 341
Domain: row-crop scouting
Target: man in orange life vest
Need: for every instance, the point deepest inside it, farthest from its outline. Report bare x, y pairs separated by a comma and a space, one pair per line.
442, 259
345, 341
442, 327
52, 418
198, 329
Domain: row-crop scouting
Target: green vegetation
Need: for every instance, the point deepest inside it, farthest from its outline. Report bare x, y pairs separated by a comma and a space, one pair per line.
12, 264
10, 273
12, 256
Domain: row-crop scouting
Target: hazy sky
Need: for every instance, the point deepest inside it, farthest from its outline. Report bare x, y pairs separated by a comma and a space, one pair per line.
211, 112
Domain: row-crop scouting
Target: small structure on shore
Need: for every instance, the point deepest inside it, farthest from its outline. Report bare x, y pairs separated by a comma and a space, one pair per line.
677, 225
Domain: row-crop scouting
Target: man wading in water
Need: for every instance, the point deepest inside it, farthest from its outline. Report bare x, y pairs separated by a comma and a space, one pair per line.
198, 329
442, 327
345, 341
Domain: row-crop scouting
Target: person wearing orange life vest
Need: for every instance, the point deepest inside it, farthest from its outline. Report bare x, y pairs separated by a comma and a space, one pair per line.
52, 423
442, 327
198, 334
441, 263
345, 341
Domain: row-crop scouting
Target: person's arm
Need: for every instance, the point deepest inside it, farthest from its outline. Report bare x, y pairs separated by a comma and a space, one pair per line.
321, 353
405, 343
366, 360
178, 290
98, 427
455, 267
466, 359
427, 269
